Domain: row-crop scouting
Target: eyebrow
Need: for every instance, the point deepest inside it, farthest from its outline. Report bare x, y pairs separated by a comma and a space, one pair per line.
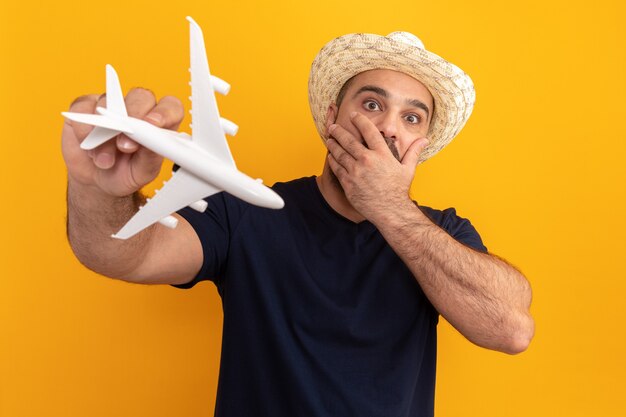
383, 93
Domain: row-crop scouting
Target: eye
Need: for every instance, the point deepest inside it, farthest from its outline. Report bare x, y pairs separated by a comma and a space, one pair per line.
371, 105
413, 118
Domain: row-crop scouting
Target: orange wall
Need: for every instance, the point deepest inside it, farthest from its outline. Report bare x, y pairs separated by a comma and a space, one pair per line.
539, 170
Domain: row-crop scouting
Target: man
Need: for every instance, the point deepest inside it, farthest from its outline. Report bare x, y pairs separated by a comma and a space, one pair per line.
330, 304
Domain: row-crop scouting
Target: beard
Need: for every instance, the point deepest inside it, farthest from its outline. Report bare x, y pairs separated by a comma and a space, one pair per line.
335, 181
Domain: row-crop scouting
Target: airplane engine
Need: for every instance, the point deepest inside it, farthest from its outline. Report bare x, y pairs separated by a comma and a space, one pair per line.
199, 205
169, 221
220, 85
229, 127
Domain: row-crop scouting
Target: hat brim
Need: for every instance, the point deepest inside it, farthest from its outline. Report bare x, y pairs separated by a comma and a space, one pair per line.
344, 57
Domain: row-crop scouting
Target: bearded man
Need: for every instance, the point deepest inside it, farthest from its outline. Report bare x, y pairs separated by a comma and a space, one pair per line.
330, 304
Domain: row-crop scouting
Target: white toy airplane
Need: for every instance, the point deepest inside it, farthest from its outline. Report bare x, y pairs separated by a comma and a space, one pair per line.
206, 164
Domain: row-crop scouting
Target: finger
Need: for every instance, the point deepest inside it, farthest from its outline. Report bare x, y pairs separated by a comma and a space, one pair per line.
168, 113
369, 131
146, 165
339, 154
139, 102
412, 154
102, 100
125, 144
347, 140
339, 171
89, 98
104, 155
82, 104
122, 142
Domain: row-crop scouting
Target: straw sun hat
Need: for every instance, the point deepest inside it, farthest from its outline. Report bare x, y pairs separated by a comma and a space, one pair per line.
346, 56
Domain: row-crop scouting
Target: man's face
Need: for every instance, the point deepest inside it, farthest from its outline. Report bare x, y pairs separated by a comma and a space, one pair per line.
400, 106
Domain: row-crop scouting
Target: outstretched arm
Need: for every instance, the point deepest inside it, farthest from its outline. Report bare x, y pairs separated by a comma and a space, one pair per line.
481, 295
102, 194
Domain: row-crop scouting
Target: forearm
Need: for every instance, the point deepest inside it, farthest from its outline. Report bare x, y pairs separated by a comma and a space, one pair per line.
482, 296
92, 218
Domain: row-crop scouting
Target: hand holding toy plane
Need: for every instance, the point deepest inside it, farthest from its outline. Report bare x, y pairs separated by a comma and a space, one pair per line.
206, 164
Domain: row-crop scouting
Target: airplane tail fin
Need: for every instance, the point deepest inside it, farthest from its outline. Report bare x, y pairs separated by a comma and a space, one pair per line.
115, 104
115, 97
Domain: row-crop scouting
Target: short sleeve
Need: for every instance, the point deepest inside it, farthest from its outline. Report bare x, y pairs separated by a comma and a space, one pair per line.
459, 228
213, 228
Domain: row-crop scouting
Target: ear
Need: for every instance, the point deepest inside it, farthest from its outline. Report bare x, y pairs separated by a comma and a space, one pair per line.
331, 116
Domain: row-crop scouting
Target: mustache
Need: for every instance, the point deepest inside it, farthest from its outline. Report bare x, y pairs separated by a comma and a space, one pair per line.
391, 144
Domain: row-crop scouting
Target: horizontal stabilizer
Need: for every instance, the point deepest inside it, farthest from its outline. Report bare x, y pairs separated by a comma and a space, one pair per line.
98, 136
97, 120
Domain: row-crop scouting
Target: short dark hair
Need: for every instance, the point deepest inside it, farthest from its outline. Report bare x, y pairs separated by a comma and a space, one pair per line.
343, 90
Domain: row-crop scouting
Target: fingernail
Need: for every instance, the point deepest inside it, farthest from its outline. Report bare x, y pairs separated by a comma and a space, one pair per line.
126, 144
155, 118
353, 114
332, 127
104, 160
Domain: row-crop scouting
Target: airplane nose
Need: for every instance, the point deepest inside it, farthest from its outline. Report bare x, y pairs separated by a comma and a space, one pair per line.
268, 198
276, 202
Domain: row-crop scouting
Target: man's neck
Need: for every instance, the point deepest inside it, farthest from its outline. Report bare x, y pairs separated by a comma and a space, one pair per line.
334, 195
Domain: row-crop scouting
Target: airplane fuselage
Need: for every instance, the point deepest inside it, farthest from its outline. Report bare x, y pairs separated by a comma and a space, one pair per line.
199, 162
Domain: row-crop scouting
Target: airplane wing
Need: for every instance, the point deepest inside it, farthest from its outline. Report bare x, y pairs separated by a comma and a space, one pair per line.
180, 191
206, 128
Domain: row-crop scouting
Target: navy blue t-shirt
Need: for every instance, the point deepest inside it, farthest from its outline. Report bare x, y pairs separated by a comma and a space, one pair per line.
321, 317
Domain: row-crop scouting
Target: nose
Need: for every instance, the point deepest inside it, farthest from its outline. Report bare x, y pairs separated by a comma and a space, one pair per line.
387, 125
